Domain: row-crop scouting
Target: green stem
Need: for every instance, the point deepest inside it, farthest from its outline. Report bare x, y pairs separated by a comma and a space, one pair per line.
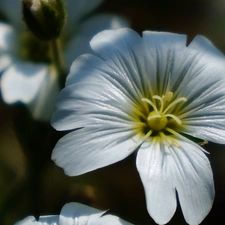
57, 58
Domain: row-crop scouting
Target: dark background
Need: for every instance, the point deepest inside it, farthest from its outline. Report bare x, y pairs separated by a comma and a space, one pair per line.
30, 183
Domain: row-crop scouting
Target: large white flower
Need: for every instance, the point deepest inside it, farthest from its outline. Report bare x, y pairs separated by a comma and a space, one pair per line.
76, 214
149, 94
28, 80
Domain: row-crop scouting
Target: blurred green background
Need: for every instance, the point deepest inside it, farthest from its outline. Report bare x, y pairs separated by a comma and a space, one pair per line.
30, 183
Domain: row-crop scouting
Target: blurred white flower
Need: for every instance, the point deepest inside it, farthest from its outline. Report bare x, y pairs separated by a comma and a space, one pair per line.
153, 94
76, 214
30, 81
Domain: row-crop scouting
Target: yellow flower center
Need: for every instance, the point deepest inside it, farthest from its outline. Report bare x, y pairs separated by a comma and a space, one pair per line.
156, 122
157, 116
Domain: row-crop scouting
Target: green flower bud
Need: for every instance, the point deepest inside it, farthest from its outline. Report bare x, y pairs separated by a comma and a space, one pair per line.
45, 18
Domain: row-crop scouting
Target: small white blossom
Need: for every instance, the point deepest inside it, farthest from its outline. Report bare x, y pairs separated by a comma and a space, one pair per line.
76, 214
153, 94
34, 83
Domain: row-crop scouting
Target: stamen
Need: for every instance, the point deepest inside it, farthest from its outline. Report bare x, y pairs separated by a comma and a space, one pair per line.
161, 101
141, 141
150, 103
174, 103
168, 96
178, 121
169, 140
172, 131
204, 143
138, 124
165, 138
142, 115
191, 111
156, 118
153, 116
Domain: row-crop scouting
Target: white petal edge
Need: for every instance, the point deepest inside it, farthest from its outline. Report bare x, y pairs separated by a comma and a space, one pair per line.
90, 148
192, 67
154, 168
43, 106
186, 169
78, 214
7, 45
43, 220
7, 38
116, 43
35, 85
204, 45
22, 81
79, 44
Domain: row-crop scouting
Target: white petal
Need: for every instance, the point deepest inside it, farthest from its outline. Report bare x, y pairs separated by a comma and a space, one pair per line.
204, 114
7, 38
118, 44
5, 61
194, 181
86, 30
165, 168
43, 220
88, 149
27, 221
79, 214
30, 84
161, 52
130, 57
22, 81
106, 94
48, 220
154, 166
195, 72
203, 45
210, 129
123, 51
7, 45
110, 220
43, 106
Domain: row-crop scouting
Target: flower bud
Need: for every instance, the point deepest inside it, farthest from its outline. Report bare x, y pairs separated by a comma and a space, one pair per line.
45, 18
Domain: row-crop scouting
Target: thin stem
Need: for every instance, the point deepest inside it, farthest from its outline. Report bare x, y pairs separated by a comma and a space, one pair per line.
57, 58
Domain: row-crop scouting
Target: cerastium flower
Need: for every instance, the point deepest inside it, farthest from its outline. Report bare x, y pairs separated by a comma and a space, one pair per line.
153, 94
28, 66
74, 213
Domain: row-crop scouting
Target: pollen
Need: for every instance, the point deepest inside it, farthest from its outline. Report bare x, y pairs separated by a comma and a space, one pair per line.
156, 122
157, 115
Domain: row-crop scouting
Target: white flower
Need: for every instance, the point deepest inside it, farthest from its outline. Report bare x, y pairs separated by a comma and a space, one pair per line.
149, 94
76, 214
34, 83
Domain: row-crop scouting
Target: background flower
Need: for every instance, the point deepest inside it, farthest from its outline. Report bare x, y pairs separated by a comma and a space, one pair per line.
119, 99
27, 76
76, 214
38, 187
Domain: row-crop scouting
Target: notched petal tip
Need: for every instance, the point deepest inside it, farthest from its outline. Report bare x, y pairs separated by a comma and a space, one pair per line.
204, 45
154, 39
